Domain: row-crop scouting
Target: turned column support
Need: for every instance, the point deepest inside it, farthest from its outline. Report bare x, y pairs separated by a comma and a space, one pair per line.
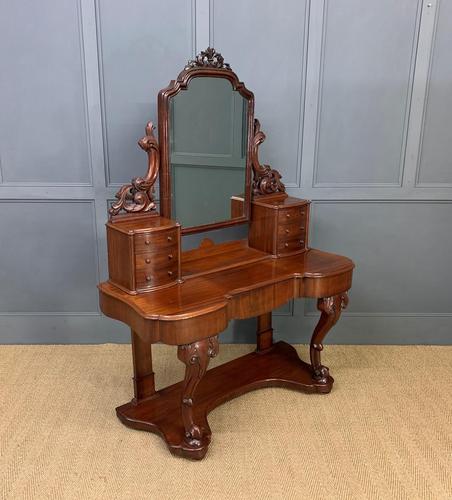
143, 375
330, 308
196, 357
264, 331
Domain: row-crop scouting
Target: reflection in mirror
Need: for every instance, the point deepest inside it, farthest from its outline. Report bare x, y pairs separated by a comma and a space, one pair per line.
208, 145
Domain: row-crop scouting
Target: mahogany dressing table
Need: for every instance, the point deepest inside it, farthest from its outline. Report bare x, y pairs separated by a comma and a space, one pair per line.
206, 159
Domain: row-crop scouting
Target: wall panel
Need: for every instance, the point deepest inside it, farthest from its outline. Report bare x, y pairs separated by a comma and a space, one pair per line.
49, 257
142, 45
366, 77
436, 147
43, 127
266, 47
400, 250
354, 98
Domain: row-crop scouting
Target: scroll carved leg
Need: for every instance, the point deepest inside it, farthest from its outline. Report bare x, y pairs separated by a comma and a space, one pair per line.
196, 357
331, 308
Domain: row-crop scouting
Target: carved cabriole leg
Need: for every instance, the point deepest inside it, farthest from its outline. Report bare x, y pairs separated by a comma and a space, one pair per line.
143, 376
331, 308
264, 332
196, 357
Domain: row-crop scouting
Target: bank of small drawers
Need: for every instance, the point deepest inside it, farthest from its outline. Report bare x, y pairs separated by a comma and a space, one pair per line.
156, 258
291, 229
279, 226
143, 253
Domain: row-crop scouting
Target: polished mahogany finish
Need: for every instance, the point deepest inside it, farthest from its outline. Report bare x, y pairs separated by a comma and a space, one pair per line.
279, 225
204, 304
208, 64
143, 253
278, 366
138, 196
187, 299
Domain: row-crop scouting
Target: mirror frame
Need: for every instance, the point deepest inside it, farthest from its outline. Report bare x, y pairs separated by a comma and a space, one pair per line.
208, 63
136, 199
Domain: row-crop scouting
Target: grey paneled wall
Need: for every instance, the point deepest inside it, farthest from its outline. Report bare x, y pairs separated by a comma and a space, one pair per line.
365, 82
43, 84
139, 56
272, 66
435, 166
355, 98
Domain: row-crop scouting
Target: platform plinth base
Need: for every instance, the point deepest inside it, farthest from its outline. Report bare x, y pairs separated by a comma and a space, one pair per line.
278, 366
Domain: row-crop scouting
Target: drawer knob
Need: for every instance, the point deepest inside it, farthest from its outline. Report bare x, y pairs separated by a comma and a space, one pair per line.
147, 242
302, 228
286, 244
288, 216
148, 278
287, 231
170, 256
170, 273
170, 238
301, 242
148, 261
302, 212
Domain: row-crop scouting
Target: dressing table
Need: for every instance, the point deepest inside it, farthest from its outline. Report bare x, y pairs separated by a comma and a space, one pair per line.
210, 177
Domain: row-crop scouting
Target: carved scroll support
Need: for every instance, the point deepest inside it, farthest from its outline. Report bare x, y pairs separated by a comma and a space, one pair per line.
331, 309
138, 196
196, 357
265, 179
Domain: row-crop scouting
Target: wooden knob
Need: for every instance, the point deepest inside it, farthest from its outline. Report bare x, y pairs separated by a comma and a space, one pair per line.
170, 238
287, 231
148, 260
170, 256
301, 242
288, 216
170, 273
147, 242
148, 278
302, 212
286, 244
302, 228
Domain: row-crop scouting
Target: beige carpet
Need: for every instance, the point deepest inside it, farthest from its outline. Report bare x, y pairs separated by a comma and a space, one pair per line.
384, 432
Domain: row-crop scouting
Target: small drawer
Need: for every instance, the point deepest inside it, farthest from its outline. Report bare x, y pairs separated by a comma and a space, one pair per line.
145, 242
286, 246
291, 231
165, 257
292, 215
150, 277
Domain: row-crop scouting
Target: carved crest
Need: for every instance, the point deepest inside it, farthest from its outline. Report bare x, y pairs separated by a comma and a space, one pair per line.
265, 179
138, 196
208, 58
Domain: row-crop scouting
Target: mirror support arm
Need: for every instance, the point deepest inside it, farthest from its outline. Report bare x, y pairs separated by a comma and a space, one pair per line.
138, 196
265, 179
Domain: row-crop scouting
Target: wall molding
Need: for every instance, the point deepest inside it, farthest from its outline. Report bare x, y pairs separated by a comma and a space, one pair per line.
375, 314
42, 184
433, 11
315, 183
92, 203
196, 25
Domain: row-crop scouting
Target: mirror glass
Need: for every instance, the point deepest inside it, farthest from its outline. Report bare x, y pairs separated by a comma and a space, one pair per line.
208, 148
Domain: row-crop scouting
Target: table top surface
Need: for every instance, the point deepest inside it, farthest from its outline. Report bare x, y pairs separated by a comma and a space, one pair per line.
245, 270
